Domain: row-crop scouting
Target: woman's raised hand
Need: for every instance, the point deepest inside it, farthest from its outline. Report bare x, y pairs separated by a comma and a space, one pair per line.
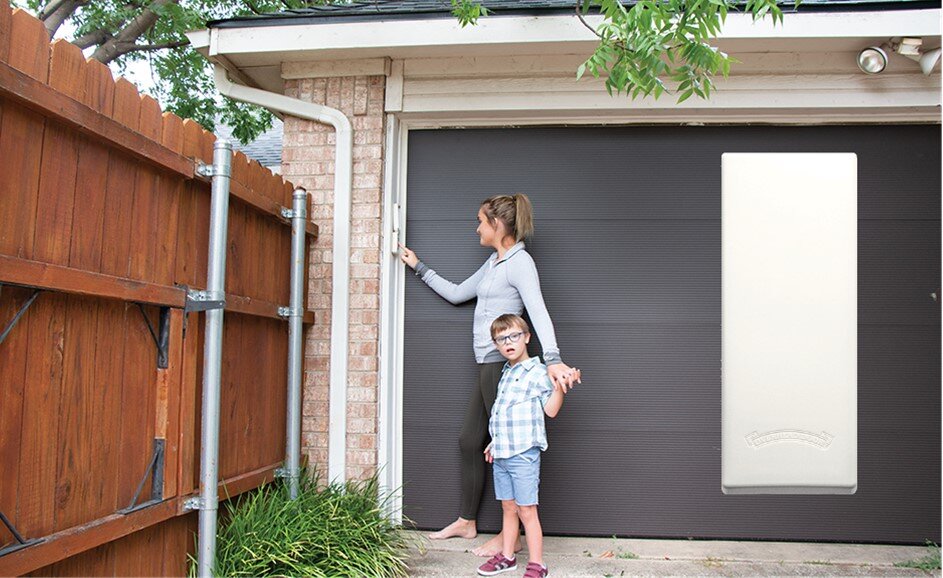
407, 256
564, 376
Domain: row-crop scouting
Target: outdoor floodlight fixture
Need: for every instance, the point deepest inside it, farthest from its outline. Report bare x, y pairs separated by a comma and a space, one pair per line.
872, 60
912, 48
928, 60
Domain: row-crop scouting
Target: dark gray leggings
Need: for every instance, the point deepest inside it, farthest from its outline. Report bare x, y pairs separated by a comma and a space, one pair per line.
474, 437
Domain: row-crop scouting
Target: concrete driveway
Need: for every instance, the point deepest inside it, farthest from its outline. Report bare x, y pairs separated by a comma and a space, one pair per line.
607, 557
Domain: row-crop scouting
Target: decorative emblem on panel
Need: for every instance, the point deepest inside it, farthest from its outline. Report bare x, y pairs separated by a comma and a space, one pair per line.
820, 440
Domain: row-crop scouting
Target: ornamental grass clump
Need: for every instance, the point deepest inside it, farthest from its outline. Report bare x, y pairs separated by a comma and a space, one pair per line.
338, 530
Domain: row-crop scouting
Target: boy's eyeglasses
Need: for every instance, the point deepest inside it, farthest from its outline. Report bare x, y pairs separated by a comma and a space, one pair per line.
509, 338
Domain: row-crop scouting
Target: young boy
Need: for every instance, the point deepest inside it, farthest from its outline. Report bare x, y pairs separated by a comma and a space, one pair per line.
525, 394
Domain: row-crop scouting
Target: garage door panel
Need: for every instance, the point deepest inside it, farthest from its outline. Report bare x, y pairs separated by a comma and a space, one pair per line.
669, 271
651, 172
899, 379
898, 269
658, 193
628, 250
667, 484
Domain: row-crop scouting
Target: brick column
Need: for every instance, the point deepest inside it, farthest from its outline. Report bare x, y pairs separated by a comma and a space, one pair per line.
308, 161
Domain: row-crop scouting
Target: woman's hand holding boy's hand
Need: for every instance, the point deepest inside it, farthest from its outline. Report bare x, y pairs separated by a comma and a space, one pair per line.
488, 456
407, 256
564, 376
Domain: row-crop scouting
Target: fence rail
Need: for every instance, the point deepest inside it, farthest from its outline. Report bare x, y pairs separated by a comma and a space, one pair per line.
103, 232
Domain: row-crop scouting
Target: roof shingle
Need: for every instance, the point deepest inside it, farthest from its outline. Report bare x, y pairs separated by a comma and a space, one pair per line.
390, 9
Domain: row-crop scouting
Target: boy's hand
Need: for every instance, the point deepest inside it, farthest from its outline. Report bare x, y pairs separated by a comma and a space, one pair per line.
488, 457
564, 375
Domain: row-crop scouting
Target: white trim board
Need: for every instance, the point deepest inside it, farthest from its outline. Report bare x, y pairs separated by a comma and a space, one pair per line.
763, 87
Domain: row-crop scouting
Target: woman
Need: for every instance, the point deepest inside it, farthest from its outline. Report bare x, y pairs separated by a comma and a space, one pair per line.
506, 283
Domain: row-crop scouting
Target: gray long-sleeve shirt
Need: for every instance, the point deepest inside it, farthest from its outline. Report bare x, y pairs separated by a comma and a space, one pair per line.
508, 285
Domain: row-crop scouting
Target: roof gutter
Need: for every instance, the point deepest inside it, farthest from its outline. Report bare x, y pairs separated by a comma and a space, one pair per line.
343, 168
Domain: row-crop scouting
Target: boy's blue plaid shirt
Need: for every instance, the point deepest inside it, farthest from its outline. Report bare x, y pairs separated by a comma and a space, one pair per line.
517, 416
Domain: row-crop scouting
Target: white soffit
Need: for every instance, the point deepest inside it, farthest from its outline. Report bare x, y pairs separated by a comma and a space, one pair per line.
268, 45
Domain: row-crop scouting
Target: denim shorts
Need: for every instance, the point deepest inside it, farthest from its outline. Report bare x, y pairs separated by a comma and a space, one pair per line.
517, 477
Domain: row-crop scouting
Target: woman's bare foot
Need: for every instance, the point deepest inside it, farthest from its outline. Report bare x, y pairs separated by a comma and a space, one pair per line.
460, 528
494, 546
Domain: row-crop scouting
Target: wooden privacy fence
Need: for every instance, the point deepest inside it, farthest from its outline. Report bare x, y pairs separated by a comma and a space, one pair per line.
103, 228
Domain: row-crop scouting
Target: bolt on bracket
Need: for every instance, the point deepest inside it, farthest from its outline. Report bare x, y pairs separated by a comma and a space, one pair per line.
286, 312
204, 300
195, 503
205, 170
290, 214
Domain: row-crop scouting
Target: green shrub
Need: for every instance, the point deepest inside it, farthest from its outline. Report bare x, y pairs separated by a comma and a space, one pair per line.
338, 530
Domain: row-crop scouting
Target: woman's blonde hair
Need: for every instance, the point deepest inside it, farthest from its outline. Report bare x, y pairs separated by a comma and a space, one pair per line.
515, 211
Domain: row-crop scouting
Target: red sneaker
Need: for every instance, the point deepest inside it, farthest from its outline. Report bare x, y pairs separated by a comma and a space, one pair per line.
496, 565
535, 570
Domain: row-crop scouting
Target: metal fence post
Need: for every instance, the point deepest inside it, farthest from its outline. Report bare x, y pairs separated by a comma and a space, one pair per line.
212, 357
296, 306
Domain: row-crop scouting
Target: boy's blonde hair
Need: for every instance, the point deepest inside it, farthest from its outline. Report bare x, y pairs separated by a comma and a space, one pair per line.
507, 321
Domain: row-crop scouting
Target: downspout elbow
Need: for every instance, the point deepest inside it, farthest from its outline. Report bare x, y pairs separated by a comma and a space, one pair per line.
281, 103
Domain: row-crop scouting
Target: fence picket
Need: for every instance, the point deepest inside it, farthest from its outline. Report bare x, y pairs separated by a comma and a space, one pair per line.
6, 14
12, 392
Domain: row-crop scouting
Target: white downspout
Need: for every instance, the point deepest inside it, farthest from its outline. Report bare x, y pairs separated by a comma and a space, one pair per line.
343, 165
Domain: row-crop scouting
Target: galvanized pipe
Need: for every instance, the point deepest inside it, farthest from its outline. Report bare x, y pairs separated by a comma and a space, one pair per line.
212, 358
299, 216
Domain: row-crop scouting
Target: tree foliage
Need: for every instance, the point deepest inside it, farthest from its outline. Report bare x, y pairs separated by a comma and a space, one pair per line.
121, 32
645, 49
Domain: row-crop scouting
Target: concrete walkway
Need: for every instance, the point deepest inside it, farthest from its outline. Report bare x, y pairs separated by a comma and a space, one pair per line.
607, 557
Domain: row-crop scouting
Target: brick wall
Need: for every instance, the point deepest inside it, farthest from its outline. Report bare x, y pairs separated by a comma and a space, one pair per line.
308, 161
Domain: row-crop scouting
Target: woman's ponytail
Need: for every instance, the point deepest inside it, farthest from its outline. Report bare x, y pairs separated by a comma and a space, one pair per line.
514, 210
525, 217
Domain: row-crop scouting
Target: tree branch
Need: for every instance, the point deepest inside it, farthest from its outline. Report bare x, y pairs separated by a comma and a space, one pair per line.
61, 10
125, 40
252, 6
150, 47
92, 38
579, 14
48, 9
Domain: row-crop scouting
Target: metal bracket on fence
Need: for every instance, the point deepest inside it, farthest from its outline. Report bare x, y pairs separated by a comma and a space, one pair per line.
290, 214
156, 470
285, 312
162, 336
205, 170
204, 301
20, 542
19, 314
194, 503
284, 472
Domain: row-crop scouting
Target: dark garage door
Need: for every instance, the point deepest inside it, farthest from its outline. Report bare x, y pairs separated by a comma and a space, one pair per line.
628, 249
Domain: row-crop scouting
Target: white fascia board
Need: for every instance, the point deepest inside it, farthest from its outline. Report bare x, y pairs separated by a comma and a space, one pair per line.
397, 37
198, 38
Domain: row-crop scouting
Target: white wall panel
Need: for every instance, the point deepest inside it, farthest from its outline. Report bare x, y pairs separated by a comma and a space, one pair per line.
789, 283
